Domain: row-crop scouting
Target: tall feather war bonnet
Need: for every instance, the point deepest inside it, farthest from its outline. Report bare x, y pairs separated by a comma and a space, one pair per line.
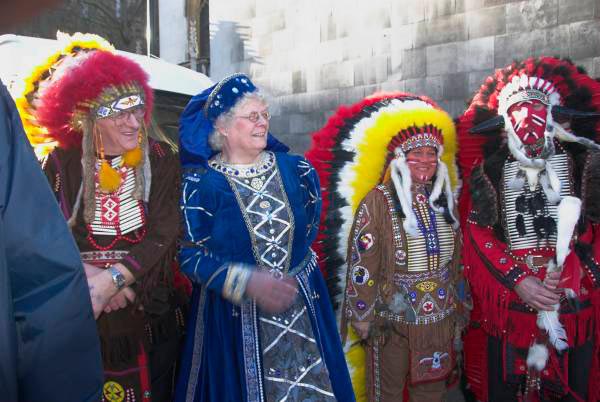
65, 96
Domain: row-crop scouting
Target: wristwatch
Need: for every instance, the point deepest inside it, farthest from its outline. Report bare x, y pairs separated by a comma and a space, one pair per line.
117, 277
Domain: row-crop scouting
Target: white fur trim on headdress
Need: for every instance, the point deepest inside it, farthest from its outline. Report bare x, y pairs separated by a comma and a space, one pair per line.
402, 182
442, 183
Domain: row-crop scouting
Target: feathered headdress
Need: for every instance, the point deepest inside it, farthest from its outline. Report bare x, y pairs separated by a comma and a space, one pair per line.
572, 95
361, 146
63, 98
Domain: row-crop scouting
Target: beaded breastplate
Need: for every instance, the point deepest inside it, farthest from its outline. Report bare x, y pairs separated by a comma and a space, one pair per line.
118, 213
529, 218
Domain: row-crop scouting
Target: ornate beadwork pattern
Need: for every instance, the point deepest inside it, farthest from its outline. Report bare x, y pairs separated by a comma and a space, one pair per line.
359, 309
119, 213
264, 164
376, 370
562, 166
103, 257
268, 217
395, 221
430, 295
443, 240
252, 355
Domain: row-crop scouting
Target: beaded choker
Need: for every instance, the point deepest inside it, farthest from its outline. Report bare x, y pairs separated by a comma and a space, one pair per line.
265, 162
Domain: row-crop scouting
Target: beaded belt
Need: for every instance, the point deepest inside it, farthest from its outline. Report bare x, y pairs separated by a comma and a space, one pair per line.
103, 258
421, 320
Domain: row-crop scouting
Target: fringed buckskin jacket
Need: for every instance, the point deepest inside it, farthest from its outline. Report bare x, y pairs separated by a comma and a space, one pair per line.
145, 241
397, 279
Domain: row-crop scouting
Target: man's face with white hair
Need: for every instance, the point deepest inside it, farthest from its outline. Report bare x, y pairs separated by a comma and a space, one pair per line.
528, 119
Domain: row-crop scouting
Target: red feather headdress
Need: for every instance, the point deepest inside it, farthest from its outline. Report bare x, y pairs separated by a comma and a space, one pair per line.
91, 80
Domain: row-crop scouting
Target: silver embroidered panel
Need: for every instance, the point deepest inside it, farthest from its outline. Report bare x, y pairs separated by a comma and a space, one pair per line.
292, 367
560, 163
292, 364
267, 212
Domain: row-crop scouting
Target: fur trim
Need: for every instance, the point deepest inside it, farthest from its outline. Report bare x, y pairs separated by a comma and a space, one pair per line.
484, 199
403, 183
537, 357
442, 181
109, 180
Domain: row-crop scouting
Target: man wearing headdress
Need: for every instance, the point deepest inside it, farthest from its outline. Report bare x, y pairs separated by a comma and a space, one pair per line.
395, 191
118, 189
530, 159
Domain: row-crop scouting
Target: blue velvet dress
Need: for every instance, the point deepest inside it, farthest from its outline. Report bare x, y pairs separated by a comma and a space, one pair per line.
238, 353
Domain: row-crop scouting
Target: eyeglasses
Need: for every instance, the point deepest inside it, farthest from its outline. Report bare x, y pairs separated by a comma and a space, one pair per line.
255, 116
122, 117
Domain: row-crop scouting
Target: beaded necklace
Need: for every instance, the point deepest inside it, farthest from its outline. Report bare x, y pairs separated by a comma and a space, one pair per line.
264, 163
427, 224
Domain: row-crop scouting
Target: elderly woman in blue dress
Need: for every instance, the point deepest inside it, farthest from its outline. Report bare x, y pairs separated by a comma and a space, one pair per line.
261, 327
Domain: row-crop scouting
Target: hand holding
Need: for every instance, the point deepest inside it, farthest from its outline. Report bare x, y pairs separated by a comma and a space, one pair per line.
361, 328
91, 270
272, 295
551, 281
120, 300
102, 289
533, 292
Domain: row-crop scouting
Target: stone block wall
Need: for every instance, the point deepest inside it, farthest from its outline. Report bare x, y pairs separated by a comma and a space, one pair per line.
313, 55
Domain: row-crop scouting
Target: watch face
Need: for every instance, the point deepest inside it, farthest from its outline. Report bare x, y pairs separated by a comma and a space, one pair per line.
117, 277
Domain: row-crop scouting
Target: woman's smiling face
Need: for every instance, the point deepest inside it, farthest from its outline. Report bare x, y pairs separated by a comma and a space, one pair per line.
245, 136
422, 163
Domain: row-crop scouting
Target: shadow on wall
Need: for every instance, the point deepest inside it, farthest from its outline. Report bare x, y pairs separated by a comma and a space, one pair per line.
232, 49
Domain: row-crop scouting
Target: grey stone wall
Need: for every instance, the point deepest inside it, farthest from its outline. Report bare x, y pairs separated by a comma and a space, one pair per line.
313, 55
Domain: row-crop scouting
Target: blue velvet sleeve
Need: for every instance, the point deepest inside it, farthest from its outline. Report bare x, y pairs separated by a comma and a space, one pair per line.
309, 181
198, 203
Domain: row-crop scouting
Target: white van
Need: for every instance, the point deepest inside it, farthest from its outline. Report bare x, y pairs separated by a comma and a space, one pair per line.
173, 85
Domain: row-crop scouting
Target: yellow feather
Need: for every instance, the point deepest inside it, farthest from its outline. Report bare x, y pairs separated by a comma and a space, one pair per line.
109, 179
133, 158
371, 152
76, 41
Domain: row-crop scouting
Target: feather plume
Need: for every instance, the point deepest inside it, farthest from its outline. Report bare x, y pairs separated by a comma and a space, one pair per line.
568, 213
549, 322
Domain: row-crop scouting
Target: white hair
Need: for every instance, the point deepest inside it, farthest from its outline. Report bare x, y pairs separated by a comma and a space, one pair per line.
215, 138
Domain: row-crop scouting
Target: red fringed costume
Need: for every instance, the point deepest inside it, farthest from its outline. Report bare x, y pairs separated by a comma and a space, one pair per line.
528, 153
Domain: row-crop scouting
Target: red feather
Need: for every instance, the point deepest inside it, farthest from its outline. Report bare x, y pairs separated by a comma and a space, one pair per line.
83, 83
